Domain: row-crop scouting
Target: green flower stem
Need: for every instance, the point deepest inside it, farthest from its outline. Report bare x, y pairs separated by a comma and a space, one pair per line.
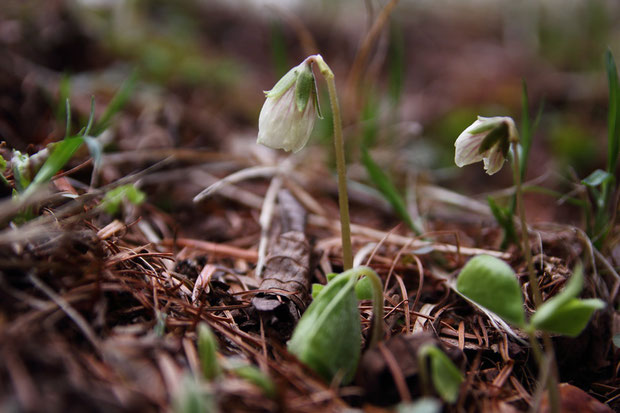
526, 239
548, 345
377, 303
343, 200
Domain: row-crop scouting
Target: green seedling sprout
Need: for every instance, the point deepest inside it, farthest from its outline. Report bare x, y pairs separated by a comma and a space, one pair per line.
492, 284
207, 351
601, 183
328, 336
254, 375
114, 198
192, 397
444, 375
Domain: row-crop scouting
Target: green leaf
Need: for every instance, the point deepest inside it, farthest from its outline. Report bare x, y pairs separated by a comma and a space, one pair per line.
207, 350
68, 120
597, 178
284, 83
568, 319
503, 216
446, 377
363, 289
386, 187
116, 104
304, 88
328, 336
564, 313
492, 284
113, 199
330, 276
91, 117
61, 154
316, 290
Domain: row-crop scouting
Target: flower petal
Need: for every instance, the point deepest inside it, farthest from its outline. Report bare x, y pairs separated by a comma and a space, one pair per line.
282, 126
468, 148
494, 160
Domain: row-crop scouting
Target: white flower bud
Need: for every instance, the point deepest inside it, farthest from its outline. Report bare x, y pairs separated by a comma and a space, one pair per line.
290, 110
487, 140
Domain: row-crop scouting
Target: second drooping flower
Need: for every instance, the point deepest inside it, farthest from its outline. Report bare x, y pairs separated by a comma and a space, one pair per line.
290, 110
488, 140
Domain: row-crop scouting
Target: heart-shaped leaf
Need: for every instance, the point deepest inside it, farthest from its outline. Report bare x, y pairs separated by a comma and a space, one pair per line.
492, 284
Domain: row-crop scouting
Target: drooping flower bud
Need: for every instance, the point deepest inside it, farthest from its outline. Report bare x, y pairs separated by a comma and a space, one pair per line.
290, 110
488, 140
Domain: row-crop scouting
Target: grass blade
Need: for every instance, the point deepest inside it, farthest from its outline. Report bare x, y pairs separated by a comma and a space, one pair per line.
116, 104
62, 152
385, 185
614, 113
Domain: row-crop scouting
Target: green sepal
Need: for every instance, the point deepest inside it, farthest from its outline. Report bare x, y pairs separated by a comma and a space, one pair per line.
492, 284
499, 134
315, 96
283, 84
485, 126
304, 87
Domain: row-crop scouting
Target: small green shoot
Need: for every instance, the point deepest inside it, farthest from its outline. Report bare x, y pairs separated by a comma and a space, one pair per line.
113, 199
116, 104
363, 288
2, 169
328, 336
192, 397
601, 184
207, 350
385, 185
253, 375
445, 376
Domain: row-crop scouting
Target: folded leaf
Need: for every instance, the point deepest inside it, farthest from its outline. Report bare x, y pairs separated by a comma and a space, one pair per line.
328, 336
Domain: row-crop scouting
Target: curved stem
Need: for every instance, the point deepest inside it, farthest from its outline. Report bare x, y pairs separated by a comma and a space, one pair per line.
343, 200
377, 303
